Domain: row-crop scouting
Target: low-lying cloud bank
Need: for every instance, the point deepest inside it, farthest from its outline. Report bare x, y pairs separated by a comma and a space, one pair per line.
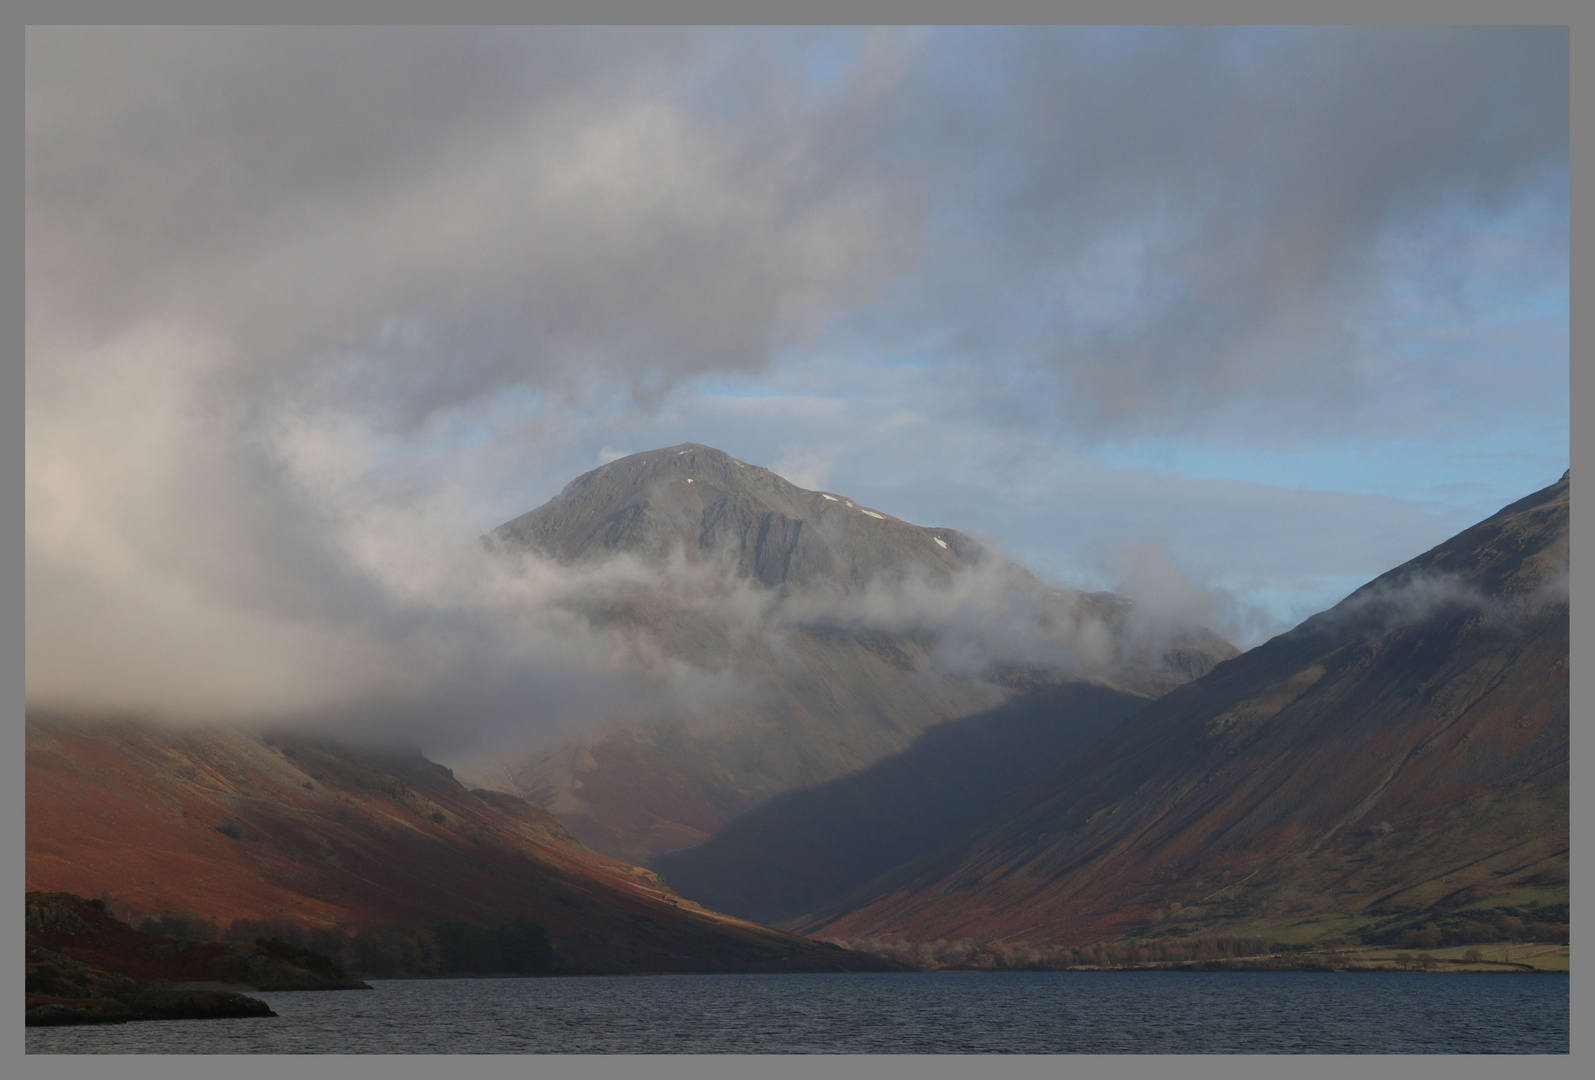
1387, 605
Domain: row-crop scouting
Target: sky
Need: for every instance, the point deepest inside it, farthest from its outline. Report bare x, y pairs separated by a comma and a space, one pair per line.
1246, 314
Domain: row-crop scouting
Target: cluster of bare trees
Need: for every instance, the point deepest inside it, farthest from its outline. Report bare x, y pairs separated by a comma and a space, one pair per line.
1421, 962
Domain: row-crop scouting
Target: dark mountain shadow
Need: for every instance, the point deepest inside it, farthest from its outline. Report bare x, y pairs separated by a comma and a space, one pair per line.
803, 850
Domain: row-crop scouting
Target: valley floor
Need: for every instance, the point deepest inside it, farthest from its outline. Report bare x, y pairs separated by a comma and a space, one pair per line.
1549, 958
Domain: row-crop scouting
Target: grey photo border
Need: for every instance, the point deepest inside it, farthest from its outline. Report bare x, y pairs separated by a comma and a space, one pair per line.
718, 12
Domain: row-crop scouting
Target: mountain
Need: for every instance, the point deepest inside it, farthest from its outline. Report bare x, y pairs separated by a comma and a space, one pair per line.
215, 827
708, 505
834, 622
806, 850
1397, 764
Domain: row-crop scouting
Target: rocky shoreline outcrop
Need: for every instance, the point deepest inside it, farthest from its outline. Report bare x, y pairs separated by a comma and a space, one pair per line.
86, 967
63, 991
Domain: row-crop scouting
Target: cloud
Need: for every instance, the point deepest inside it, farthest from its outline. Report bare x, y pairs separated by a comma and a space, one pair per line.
1161, 593
265, 266
1197, 216
310, 308
407, 219
1398, 601
807, 466
992, 616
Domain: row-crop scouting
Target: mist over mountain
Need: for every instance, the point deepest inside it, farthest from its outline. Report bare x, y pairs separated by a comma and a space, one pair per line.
1399, 758
823, 635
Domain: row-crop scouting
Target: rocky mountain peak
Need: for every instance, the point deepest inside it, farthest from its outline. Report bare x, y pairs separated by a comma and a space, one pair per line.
709, 505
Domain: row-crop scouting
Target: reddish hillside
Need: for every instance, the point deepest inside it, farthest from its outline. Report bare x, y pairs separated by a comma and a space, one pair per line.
223, 824
1403, 756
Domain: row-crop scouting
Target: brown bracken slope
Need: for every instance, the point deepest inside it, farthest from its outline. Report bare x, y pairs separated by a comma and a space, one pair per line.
224, 824
1405, 751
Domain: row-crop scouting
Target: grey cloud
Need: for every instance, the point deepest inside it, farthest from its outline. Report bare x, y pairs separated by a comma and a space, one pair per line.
263, 263
434, 215
1175, 222
1393, 603
1203, 212
1163, 595
261, 260
989, 614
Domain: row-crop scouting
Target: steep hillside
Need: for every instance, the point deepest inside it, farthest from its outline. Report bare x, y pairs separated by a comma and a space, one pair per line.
218, 824
825, 684
806, 850
1396, 761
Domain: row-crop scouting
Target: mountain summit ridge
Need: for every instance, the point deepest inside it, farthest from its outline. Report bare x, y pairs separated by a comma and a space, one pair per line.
706, 503
871, 631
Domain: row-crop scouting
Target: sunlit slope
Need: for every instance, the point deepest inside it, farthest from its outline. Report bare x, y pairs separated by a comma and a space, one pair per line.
1403, 752
223, 824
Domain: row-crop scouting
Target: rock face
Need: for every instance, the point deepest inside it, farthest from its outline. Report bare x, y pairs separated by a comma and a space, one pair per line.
825, 691
1399, 756
710, 506
220, 824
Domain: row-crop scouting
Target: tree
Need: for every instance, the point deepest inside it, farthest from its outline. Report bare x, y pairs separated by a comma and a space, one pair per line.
524, 947
519, 947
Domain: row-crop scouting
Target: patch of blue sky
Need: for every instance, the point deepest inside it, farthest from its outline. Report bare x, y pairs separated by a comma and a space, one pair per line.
829, 58
1489, 259
1273, 610
1465, 479
1242, 46
729, 386
1499, 304
816, 63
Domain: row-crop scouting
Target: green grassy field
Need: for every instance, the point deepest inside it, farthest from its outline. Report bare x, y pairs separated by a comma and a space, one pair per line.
1540, 956
1495, 957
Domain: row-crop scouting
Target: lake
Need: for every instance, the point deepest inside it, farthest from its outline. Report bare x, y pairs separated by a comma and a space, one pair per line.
943, 1012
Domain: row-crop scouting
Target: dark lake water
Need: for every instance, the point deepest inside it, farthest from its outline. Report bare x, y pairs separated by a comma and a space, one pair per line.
948, 1012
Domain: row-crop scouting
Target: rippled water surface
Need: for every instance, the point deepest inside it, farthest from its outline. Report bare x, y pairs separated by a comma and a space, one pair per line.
949, 1012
